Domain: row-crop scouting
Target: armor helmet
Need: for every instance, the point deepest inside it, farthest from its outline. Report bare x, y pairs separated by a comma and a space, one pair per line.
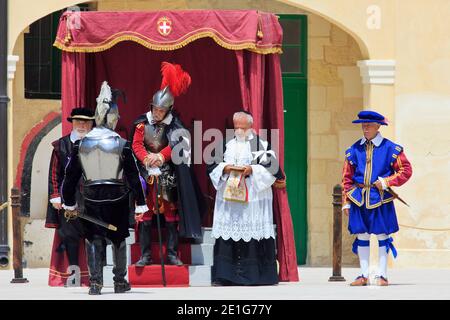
163, 98
175, 81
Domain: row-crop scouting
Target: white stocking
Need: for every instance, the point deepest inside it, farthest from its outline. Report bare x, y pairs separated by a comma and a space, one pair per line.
363, 254
382, 256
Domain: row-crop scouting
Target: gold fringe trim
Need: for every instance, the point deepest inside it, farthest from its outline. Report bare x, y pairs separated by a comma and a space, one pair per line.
243, 46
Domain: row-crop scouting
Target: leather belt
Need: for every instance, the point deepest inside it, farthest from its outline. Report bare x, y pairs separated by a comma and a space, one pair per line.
360, 185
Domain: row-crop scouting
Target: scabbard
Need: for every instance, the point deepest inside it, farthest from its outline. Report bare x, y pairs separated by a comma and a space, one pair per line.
396, 196
97, 222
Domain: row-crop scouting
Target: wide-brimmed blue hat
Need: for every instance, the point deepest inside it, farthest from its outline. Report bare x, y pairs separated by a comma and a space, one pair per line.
371, 116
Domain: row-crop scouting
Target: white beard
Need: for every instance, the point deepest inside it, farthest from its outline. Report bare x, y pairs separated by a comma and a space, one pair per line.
81, 134
241, 135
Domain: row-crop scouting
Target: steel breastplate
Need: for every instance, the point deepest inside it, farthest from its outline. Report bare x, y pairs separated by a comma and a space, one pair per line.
101, 159
155, 137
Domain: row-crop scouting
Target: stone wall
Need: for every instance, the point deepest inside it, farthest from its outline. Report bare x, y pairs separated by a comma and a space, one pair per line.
335, 97
26, 114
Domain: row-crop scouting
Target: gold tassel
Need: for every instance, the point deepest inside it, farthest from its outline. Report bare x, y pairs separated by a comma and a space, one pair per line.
68, 37
259, 33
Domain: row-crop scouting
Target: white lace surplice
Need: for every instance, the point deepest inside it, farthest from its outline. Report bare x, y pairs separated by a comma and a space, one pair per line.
251, 220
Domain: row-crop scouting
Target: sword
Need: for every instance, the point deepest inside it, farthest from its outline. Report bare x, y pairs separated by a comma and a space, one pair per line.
396, 196
73, 214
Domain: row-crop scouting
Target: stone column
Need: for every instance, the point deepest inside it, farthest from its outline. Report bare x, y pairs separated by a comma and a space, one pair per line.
378, 78
12, 61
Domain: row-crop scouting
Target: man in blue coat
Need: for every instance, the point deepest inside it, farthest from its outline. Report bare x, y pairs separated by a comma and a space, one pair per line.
372, 165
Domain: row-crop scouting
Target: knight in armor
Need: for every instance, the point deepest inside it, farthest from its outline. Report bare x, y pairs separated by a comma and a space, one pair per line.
156, 136
68, 233
109, 171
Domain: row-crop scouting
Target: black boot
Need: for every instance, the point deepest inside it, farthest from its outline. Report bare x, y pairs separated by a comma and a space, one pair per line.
72, 251
145, 242
172, 244
120, 268
71, 248
94, 252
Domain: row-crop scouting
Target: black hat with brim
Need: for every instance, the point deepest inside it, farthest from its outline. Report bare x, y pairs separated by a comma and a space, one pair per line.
81, 114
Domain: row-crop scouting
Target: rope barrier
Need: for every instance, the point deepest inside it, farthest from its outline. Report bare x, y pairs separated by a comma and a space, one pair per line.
426, 229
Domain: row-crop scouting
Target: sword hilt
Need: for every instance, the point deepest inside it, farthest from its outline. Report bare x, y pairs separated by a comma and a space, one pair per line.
71, 214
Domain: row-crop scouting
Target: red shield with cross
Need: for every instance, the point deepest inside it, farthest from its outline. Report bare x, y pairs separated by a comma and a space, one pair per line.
164, 26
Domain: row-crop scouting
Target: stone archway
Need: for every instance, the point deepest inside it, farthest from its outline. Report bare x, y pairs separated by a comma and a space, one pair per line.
335, 97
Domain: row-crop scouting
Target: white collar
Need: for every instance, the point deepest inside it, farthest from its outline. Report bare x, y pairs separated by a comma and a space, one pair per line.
167, 120
101, 132
74, 136
376, 141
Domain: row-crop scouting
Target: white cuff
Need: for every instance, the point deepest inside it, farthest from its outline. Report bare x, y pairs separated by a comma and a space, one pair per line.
141, 209
383, 183
55, 200
347, 206
217, 177
70, 207
261, 177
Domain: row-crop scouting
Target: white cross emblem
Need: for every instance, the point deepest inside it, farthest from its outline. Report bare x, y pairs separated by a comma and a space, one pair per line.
164, 26
263, 152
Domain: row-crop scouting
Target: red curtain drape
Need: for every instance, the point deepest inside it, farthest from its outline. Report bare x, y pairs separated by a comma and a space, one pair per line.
72, 85
261, 90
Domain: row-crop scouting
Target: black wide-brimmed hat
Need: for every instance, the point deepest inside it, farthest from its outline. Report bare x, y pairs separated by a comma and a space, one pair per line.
81, 114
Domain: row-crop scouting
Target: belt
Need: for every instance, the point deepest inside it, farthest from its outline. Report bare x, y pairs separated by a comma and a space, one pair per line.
360, 185
117, 182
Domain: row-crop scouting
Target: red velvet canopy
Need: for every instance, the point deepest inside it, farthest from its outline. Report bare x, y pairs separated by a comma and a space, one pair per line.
232, 57
169, 30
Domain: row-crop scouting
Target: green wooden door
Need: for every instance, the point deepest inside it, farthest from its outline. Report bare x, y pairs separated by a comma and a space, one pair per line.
295, 88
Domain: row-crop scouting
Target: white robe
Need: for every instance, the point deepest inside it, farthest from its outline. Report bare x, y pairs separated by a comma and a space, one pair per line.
246, 221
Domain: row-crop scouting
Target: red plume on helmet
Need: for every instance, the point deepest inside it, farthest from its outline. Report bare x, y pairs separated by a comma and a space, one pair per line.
175, 77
